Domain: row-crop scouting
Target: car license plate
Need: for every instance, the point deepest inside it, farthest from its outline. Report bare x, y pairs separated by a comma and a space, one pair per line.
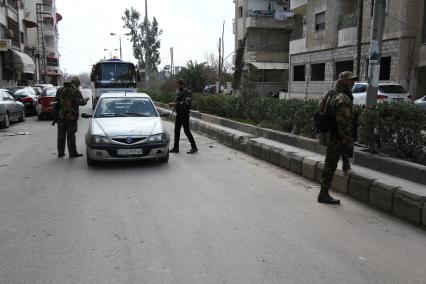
398, 99
129, 152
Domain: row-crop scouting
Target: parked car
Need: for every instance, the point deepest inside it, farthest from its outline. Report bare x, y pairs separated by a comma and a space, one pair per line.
211, 89
46, 103
126, 127
43, 86
38, 90
10, 109
388, 92
421, 102
27, 96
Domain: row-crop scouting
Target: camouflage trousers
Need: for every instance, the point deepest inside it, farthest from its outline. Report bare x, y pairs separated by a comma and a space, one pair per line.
66, 133
332, 157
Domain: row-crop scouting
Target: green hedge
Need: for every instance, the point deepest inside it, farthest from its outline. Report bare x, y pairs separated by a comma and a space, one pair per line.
399, 129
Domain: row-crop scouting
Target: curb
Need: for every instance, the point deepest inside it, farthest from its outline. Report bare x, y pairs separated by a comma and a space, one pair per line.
405, 205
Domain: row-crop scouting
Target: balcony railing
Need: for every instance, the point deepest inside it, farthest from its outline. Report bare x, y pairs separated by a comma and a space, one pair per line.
348, 21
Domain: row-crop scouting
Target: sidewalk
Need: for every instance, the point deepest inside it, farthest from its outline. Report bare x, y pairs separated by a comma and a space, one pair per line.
397, 196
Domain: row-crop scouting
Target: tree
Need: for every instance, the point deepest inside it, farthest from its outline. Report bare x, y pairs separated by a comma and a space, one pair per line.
195, 75
139, 38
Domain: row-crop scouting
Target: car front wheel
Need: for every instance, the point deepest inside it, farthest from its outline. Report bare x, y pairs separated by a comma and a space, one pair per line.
6, 122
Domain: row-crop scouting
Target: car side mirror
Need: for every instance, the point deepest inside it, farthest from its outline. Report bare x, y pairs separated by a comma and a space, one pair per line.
86, 115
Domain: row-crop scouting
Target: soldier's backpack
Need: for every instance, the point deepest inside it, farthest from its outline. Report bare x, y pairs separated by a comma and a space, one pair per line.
324, 119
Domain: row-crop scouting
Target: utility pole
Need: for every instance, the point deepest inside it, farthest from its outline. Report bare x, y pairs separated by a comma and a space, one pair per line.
359, 37
146, 47
172, 66
219, 47
375, 51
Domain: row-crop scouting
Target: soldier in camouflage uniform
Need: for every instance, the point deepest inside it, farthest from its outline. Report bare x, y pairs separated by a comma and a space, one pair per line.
339, 139
68, 99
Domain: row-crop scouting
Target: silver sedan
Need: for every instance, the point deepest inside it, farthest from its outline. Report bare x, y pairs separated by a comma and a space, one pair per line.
126, 127
421, 102
10, 109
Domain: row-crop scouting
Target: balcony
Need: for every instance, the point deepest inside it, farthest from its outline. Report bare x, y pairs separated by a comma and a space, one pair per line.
298, 6
347, 34
262, 19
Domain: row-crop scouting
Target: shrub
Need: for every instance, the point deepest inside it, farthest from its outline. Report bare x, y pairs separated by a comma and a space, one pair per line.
395, 129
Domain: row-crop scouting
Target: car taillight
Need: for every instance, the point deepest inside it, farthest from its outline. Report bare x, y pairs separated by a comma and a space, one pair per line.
382, 97
409, 96
27, 100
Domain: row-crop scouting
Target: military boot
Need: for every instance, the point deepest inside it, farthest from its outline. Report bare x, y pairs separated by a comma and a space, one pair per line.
325, 197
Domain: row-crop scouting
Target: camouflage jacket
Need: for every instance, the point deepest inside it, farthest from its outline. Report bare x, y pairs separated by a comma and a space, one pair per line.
68, 99
183, 102
340, 105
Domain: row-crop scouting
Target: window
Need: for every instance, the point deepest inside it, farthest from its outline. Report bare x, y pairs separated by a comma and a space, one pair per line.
318, 72
299, 73
343, 66
385, 68
320, 21
273, 76
240, 10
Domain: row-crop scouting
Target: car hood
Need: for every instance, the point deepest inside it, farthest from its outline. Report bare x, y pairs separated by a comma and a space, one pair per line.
126, 126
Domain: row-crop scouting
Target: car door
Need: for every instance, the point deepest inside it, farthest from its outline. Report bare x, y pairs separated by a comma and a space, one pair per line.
11, 104
2, 106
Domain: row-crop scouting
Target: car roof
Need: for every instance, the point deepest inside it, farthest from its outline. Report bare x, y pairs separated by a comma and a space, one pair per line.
124, 95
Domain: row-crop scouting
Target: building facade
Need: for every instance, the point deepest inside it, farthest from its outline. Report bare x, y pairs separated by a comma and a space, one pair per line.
16, 67
324, 43
43, 41
29, 42
262, 34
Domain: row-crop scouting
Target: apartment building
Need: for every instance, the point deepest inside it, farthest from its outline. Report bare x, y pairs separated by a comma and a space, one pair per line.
43, 41
324, 43
16, 67
262, 31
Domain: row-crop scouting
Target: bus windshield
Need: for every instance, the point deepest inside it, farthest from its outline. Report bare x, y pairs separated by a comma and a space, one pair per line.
114, 72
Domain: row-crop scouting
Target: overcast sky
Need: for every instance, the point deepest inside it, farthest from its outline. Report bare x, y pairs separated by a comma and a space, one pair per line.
191, 27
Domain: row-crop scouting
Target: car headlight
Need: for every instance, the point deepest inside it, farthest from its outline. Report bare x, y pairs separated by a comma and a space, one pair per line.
158, 138
95, 139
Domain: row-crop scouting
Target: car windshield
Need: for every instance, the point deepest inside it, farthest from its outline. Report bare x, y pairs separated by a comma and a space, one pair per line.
125, 107
396, 89
359, 88
49, 93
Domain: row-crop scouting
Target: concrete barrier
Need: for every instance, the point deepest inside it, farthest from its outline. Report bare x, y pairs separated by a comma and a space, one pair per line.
265, 152
274, 156
318, 171
359, 187
340, 181
408, 206
296, 163
309, 168
381, 196
285, 159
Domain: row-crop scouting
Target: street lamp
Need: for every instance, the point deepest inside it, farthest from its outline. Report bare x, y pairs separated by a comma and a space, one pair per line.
119, 36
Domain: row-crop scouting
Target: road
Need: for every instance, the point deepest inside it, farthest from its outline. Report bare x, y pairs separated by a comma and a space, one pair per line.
218, 216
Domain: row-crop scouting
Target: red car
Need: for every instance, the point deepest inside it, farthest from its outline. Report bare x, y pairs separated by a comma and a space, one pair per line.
47, 103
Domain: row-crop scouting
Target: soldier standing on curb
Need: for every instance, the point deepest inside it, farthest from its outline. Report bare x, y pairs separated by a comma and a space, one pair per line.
182, 106
339, 138
67, 101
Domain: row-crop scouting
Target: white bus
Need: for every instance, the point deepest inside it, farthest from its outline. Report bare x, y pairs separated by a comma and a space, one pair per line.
112, 75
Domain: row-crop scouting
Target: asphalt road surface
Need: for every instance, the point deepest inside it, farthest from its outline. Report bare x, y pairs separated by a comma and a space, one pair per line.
218, 216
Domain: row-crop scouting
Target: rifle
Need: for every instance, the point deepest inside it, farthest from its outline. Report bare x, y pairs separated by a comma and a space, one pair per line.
56, 113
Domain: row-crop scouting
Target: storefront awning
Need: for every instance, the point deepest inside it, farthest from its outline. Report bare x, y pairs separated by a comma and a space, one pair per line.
270, 65
23, 62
